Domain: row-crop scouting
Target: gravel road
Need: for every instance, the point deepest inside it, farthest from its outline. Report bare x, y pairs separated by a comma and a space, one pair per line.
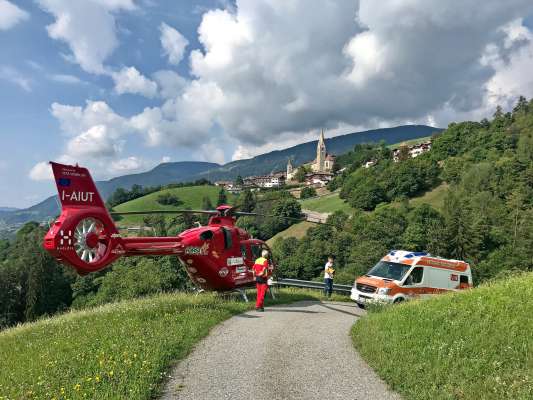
297, 351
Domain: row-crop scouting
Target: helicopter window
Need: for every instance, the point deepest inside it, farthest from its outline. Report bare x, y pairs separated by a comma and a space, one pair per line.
228, 242
206, 235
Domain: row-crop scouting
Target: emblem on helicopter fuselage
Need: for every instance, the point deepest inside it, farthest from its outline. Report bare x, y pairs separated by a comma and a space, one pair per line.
197, 251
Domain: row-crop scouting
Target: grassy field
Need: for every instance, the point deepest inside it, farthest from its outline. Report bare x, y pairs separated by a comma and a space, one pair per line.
117, 351
191, 197
470, 345
326, 204
434, 198
297, 230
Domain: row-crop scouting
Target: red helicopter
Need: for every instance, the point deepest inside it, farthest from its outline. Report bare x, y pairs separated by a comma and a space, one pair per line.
217, 257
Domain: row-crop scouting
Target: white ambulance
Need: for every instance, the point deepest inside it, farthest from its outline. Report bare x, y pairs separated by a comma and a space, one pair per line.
401, 275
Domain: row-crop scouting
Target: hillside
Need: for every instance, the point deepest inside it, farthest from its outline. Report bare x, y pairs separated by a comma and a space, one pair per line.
188, 171
190, 196
126, 354
470, 345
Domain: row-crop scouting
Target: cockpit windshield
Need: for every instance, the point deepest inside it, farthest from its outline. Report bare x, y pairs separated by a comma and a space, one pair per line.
389, 270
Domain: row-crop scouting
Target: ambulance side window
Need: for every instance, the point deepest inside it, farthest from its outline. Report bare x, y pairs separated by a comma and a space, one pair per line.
415, 277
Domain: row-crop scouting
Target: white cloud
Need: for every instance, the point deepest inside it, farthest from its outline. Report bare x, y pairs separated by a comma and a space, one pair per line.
41, 172
130, 80
88, 27
75, 120
11, 15
96, 142
170, 82
128, 165
67, 79
512, 76
12, 75
173, 43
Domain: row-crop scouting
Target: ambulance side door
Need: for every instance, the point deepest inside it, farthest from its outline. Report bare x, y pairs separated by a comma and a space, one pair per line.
414, 282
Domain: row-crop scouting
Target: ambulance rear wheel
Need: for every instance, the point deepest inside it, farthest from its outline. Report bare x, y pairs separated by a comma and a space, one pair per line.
399, 300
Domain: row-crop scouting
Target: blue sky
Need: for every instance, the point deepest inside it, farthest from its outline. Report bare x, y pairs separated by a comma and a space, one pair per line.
122, 85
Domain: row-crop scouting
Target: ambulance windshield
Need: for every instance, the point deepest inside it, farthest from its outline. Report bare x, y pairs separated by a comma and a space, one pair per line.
389, 270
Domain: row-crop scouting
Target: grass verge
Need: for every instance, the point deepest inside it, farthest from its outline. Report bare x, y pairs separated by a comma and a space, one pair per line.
117, 351
470, 345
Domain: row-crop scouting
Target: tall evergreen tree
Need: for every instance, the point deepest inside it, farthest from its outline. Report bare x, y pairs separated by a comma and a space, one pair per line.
222, 198
248, 201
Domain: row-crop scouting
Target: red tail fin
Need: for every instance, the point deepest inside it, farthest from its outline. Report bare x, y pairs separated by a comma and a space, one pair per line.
84, 236
75, 186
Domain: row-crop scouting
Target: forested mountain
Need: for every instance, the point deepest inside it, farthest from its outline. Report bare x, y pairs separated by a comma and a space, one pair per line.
188, 171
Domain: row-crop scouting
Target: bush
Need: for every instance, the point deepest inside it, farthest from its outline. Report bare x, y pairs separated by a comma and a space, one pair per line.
307, 192
168, 199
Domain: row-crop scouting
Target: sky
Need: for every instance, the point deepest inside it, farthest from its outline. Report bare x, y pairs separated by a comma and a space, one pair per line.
120, 86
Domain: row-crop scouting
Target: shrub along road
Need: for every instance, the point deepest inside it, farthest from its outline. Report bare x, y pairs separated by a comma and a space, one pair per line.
297, 351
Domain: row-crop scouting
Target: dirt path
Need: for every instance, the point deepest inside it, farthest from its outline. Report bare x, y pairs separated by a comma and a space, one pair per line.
297, 351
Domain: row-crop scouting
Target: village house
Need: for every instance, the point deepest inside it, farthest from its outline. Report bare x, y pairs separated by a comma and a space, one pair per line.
413, 150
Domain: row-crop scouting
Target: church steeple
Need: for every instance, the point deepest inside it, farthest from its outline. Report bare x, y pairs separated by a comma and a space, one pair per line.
321, 153
289, 169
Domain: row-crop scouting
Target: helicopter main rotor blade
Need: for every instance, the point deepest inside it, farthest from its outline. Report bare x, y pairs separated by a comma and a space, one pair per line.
301, 219
164, 212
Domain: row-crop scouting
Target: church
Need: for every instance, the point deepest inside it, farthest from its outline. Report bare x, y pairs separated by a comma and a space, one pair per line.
322, 164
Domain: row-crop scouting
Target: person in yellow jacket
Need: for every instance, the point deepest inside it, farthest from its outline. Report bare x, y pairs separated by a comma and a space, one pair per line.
329, 274
261, 278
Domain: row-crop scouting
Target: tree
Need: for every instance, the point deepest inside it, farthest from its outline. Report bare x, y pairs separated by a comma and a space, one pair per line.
403, 153
206, 203
307, 192
239, 181
248, 201
168, 199
299, 176
367, 195
521, 105
222, 198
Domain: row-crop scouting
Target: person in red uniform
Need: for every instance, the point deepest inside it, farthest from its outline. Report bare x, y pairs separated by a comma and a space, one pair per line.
261, 279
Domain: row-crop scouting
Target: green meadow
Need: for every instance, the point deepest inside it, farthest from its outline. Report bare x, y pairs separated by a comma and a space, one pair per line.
472, 345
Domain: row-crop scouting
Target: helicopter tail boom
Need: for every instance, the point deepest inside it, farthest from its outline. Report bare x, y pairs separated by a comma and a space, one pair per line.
85, 236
